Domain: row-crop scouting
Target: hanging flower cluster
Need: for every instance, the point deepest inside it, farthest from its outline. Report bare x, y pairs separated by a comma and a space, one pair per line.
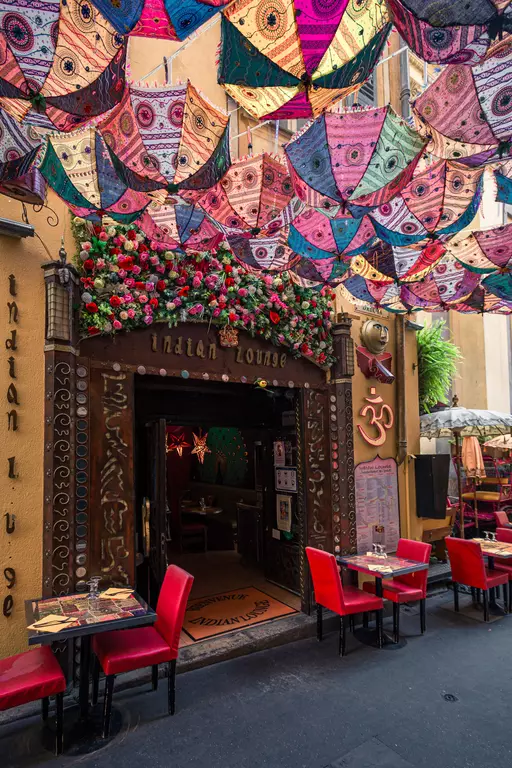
130, 282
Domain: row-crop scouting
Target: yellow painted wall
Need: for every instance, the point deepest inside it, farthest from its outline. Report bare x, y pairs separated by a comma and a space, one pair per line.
23, 496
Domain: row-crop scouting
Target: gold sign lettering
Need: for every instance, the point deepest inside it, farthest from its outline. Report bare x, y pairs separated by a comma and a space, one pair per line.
203, 349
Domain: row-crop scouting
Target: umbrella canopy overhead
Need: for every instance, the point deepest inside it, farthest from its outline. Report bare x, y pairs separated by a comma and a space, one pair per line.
317, 236
488, 252
253, 196
466, 113
293, 58
164, 19
439, 200
78, 168
169, 138
466, 421
384, 263
450, 31
359, 158
19, 146
61, 63
501, 441
176, 224
503, 177
271, 252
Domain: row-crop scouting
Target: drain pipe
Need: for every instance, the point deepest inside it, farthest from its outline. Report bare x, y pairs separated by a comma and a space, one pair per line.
401, 397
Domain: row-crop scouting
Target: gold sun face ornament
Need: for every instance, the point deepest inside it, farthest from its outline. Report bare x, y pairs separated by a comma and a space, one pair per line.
200, 448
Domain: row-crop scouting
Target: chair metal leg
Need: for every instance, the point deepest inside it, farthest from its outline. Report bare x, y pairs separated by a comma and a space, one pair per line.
379, 628
505, 597
365, 620
154, 677
423, 615
395, 622
478, 595
95, 679
486, 604
456, 596
107, 704
45, 705
59, 732
473, 594
343, 637
319, 635
171, 693
509, 598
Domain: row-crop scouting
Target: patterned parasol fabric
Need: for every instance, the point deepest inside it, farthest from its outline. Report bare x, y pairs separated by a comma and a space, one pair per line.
164, 19
384, 263
316, 236
488, 252
481, 301
467, 112
61, 63
451, 31
447, 284
167, 138
78, 168
29, 188
358, 158
19, 146
268, 252
440, 200
286, 59
178, 225
503, 178
254, 196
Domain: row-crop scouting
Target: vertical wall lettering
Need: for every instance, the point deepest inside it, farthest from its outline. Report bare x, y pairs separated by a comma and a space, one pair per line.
13, 400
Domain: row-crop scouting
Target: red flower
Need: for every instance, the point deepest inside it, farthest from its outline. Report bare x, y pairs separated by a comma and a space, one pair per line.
160, 285
232, 316
143, 248
313, 303
318, 323
97, 229
131, 234
115, 251
89, 265
153, 302
228, 269
321, 358
140, 285
92, 307
274, 317
297, 298
280, 288
88, 282
183, 291
92, 330
115, 301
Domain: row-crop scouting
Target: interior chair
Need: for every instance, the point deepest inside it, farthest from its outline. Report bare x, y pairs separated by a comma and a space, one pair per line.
504, 565
31, 676
407, 588
344, 600
468, 567
125, 650
501, 518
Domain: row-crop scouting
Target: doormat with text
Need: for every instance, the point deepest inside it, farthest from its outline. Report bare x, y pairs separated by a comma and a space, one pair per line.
214, 615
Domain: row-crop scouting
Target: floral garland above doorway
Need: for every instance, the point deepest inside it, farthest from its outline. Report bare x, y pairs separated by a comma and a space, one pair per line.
129, 282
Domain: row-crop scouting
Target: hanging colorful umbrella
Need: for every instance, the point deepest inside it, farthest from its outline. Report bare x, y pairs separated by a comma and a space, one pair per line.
316, 274
164, 19
467, 112
447, 284
384, 263
19, 146
481, 301
503, 177
316, 236
168, 138
359, 158
29, 188
286, 59
78, 168
176, 224
254, 196
271, 252
450, 31
440, 200
484, 252
61, 64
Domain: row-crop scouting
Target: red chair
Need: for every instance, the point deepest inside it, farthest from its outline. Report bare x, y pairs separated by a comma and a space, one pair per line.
344, 600
501, 518
505, 534
31, 676
409, 587
468, 567
130, 649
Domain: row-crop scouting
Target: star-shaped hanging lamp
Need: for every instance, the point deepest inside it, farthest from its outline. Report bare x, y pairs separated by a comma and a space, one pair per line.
200, 447
176, 443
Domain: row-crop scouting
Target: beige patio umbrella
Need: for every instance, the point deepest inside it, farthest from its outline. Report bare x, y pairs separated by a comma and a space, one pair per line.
501, 441
473, 463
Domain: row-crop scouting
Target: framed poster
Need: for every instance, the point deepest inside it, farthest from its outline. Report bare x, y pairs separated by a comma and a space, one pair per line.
279, 454
286, 480
284, 512
377, 507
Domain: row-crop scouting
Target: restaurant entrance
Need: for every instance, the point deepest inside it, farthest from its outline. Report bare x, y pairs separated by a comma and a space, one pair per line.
206, 499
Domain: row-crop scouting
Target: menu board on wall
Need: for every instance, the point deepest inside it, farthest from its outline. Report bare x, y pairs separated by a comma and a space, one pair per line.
377, 508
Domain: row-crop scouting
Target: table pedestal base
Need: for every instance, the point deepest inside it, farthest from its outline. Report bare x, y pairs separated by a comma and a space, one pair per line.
82, 736
368, 636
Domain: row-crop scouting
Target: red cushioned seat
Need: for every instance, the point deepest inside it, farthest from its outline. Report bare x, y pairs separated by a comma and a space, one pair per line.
495, 578
395, 592
344, 600
30, 676
131, 649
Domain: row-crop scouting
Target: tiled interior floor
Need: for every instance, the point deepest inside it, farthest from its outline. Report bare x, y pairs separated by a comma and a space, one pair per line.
216, 572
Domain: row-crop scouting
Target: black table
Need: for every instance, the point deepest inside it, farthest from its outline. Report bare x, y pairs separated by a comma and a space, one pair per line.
126, 614
391, 567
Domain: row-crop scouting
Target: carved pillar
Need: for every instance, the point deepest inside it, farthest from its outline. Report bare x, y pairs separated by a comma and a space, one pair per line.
61, 339
341, 430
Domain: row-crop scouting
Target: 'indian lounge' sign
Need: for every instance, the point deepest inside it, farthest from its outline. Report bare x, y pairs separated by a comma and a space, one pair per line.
188, 347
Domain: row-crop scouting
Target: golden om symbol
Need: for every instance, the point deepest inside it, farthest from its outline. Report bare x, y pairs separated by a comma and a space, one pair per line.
377, 421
